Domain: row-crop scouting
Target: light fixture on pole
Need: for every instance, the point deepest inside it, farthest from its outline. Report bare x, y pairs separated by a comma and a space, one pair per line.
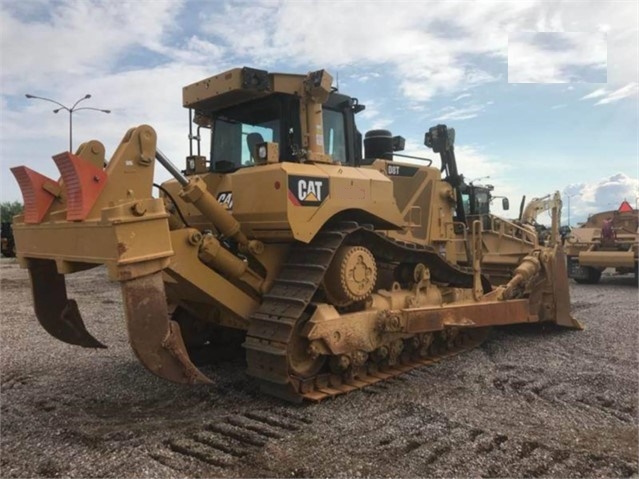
70, 110
480, 178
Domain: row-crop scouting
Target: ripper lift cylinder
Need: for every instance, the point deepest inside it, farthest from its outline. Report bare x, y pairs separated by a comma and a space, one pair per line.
195, 191
213, 254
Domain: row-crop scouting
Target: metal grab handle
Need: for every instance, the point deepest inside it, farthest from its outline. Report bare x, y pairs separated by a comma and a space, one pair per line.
171, 168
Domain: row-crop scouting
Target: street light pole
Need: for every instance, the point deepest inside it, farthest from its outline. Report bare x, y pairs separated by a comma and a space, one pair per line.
70, 110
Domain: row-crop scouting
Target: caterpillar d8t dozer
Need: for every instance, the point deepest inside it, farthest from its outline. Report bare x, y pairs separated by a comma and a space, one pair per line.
343, 266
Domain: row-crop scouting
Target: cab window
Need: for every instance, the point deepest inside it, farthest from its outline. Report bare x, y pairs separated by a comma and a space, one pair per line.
232, 140
482, 203
334, 135
466, 203
239, 128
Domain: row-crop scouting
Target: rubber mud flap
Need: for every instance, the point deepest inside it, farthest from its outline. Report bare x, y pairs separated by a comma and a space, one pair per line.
156, 340
57, 314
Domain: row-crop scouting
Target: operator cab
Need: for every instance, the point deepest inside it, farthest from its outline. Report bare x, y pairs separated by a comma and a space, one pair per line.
476, 200
237, 130
252, 112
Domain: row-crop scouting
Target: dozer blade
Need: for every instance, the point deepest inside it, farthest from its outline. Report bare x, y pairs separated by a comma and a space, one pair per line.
58, 315
155, 339
562, 291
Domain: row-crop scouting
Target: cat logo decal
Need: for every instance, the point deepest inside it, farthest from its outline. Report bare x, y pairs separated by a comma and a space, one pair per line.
307, 191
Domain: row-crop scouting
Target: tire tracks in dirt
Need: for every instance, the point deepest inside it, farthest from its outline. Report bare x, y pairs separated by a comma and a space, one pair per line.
223, 444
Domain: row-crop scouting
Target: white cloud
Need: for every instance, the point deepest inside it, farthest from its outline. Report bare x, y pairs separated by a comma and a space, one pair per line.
472, 162
431, 48
620, 27
463, 113
371, 118
205, 50
607, 96
603, 195
627, 91
462, 96
556, 57
370, 112
426, 61
595, 94
364, 77
78, 39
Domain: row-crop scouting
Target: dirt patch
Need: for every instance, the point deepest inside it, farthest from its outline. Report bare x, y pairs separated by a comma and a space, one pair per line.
529, 402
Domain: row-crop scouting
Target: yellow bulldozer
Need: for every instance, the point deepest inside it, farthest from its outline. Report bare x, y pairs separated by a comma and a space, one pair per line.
343, 265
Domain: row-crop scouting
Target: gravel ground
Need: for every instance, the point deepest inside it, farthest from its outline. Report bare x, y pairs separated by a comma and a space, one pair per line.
529, 402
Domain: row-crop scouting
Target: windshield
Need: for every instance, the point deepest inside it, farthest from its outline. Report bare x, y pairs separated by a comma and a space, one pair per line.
237, 130
233, 142
482, 203
334, 135
466, 203
477, 203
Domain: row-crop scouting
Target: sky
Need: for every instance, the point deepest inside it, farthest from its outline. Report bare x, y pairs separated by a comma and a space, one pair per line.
543, 95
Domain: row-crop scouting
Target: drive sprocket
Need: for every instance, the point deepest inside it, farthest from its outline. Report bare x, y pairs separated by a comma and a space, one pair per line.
351, 276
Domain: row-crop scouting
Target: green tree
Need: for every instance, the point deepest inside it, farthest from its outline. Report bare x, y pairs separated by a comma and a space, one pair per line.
9, 209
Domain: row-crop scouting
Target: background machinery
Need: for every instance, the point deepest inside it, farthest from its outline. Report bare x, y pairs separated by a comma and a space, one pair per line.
7, 243
609, 239
342, 266
530, 212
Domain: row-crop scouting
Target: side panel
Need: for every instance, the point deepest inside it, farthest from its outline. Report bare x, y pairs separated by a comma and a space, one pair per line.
367, 194
425, 201
286, 201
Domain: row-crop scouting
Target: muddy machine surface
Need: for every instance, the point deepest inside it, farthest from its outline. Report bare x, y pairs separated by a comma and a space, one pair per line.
343, 267
609, 239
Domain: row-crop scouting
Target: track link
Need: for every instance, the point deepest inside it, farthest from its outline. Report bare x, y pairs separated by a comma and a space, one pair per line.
372, 374
272, 326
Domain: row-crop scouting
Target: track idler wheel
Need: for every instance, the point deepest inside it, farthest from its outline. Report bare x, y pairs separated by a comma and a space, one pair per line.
156, 340
303, 360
